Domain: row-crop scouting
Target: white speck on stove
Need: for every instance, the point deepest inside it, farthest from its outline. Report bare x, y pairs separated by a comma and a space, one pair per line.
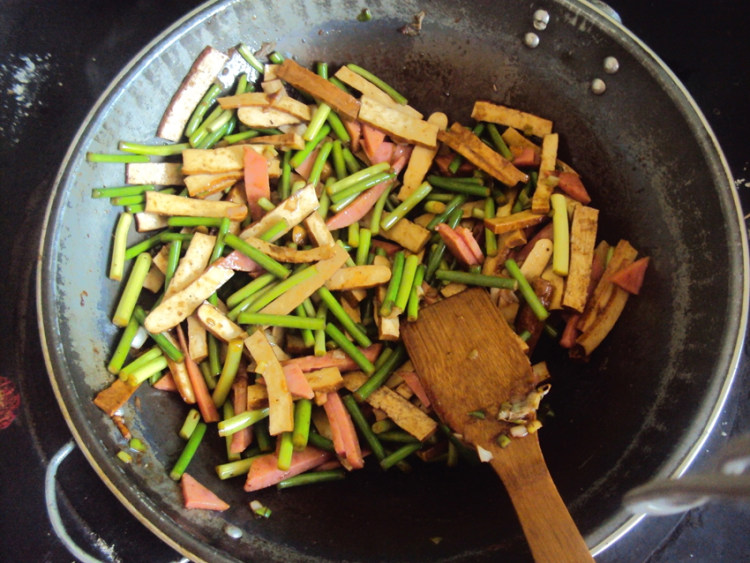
22, 78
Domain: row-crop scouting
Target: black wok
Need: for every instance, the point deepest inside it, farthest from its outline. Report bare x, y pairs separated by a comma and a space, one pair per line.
639, 409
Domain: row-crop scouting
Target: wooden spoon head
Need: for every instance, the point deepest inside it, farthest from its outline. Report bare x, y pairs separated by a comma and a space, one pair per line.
468, 359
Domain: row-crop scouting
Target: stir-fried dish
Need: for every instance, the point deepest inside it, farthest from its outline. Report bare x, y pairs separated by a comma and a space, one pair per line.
288, 229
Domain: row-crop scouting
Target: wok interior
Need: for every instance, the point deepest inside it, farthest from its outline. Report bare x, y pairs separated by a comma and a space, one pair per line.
631, 412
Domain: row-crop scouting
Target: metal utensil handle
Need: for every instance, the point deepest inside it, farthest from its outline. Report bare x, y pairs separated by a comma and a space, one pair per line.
50, 498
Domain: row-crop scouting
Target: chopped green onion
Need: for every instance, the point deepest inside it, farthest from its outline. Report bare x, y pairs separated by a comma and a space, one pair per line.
242, 420
132, 290
228, 371
119, 246
116, 158
378, 82
405, 206
349, 348
312, 477
526, 290
191, 422
469, 278
335, 308
266, 262
152, 150
188, 452
288, 321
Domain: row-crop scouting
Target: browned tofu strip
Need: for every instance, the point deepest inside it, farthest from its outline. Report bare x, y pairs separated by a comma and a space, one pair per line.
623, 255
406, 415
202, 185
111, 399
284, 141
168, 204
357, 277
604, 321
545, 186
397, 124
325, 380
515, 221
281, 406
582, 242
403, 413
514, 139
280, 102
257, 396
408, 234
291, 255
318, 87
468, 145
158, 173
198, 79
529, 123
177, 307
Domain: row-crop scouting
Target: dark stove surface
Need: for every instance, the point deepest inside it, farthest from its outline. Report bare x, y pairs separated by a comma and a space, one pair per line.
57, 57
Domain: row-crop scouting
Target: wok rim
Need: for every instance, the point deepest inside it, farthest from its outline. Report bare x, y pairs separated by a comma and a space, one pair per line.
99, 460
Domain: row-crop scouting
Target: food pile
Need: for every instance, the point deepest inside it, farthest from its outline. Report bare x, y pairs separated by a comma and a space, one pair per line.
292, 225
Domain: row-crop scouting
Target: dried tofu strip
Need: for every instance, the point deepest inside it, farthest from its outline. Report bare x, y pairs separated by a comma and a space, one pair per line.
468, 145
389, 328
283, 103
193, 264
529, 123
582, 242
288, 302
513, 222
358, 277
537, 259
319, 88
201, 185
182, 380
623, 255
199, 78
408, 234
285, 141
325, 380
255, 116
317, 230
291, 255
406, 415
111, 399
545, 185
409, 417
281, 406
167, 204
514, 139
367, 88
197, 339
421, 159
218, 324
275, 86
604, 321
154, 279
146, 222
397, 124
558, 283
176, 308
213, 161
293, 210
157, 173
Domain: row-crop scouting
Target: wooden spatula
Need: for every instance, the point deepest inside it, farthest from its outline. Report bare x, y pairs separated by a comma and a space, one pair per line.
468, 359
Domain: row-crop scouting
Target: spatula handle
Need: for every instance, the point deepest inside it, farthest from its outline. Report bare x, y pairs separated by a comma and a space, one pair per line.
549, 529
